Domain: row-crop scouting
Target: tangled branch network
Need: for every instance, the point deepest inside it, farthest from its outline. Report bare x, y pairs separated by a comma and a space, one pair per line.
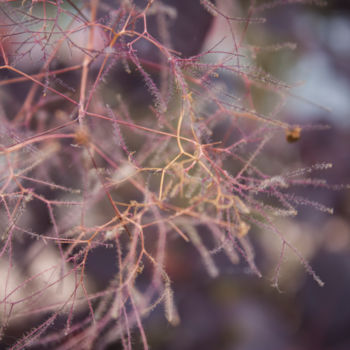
92, 163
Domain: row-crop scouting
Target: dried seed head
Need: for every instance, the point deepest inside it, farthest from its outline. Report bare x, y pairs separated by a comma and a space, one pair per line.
293, 134
82, 138
243, 229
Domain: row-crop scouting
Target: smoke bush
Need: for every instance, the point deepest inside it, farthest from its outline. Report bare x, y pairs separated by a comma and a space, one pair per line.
113, 142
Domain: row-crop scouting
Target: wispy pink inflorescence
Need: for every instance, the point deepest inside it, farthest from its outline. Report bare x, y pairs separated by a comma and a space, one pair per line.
113, 140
